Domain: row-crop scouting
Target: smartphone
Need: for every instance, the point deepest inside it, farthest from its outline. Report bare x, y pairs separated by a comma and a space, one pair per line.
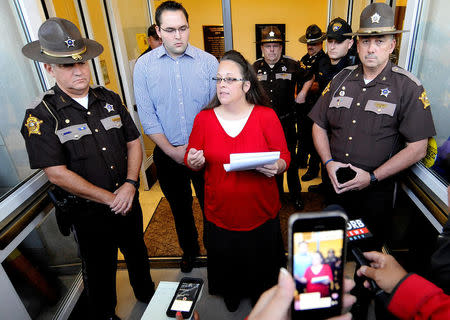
345, 174
317, 251
185, 297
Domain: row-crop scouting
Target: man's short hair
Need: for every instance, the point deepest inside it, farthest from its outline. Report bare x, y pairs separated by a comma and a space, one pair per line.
151, 32
169, 5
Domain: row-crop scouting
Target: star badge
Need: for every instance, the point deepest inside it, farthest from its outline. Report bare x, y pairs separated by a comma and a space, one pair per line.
33, 125
375, 18
70, 42
385, 92
271, 34
283, 68
109, 107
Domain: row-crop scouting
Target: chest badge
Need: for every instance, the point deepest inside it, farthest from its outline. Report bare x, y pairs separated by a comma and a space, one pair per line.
33, 125
283, 68
109, 107
385, 92
423, 97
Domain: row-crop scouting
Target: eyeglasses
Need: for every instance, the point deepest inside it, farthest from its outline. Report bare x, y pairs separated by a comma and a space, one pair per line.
172, 31
227, 80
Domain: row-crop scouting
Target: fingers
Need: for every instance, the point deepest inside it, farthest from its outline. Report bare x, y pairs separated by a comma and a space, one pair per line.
349, 284
178, 316
196, 316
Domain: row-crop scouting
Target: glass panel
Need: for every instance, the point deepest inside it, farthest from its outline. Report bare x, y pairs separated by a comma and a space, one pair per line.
135, 21
20, 85
430, 64
358, 7
43, 268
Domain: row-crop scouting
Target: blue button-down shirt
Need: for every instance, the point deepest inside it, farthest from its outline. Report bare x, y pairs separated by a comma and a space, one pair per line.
170, 92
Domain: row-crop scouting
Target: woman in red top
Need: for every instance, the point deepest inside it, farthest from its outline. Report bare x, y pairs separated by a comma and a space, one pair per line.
318, 276
242, 229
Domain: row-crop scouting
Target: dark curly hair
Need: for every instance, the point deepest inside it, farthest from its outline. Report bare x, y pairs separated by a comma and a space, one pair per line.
256, 93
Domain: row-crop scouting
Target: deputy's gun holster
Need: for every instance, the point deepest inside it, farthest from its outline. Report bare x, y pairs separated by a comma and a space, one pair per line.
63, 208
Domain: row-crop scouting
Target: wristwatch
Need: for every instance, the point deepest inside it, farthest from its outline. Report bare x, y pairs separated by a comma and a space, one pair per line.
373, 179
133, 182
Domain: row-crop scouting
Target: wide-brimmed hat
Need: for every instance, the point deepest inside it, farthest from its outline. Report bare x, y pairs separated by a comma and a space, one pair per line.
271, 34
313, 35
337, 29
60, 42
376, 19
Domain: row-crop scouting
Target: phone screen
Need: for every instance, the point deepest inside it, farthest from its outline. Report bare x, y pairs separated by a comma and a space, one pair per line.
317, 266
185, 296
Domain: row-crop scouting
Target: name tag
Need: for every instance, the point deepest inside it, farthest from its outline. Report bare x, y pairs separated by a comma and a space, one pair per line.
75, 132
112, 122
283, 76
262, 77
341, 102
381, 107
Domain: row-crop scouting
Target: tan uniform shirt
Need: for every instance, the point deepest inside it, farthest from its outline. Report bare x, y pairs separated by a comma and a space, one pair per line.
367, 124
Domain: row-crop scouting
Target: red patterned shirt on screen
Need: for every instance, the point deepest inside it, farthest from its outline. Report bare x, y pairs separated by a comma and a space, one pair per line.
239, 200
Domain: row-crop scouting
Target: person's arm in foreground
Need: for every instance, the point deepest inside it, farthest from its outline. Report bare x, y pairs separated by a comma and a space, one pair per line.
412, 297
275, 303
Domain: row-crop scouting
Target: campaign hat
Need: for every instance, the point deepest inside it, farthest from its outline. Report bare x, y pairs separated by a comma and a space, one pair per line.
60, 42
313, 35
376, 19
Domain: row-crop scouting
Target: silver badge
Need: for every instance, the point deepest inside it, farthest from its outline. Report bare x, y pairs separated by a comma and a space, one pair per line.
271, 33
109, 107
342, 93
375, 18
385, 92
69, 42
283, 68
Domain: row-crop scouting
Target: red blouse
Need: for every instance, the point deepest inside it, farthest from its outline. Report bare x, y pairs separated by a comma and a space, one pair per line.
239, 200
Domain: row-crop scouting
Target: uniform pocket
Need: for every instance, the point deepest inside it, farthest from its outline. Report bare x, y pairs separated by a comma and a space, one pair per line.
75, 132
112, 122
341, 102
381, 107
380, 116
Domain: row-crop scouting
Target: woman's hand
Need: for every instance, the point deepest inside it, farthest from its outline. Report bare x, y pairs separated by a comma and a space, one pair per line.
195, 159
270, 170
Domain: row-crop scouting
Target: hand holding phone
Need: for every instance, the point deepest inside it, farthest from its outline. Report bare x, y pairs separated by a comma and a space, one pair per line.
311, 237
185, 297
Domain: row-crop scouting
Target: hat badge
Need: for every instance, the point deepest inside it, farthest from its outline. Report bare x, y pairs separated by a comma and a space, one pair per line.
70, 42
271, 34
375, 18
337, 26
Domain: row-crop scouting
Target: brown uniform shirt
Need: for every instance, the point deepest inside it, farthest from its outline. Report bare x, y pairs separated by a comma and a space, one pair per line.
368, 123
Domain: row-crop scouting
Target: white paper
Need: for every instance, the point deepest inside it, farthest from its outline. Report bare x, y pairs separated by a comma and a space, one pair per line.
251, 160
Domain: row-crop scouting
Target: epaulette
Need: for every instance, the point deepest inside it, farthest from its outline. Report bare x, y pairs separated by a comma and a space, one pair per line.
397, 69
351, 67
288, 57
41, 97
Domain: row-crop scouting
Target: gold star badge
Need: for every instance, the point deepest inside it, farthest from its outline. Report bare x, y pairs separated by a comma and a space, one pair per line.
33, 125
423, 97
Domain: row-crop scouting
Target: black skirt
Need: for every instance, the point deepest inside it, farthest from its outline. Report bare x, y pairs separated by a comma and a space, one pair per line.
244, 263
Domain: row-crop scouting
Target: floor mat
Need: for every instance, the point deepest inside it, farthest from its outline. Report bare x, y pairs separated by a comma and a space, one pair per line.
161, 237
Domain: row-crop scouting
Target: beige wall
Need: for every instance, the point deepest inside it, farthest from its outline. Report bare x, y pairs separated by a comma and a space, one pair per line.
339, 9
245, 14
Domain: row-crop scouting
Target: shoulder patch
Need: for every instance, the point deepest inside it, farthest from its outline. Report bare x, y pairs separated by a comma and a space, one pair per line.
397, 69
39, 99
